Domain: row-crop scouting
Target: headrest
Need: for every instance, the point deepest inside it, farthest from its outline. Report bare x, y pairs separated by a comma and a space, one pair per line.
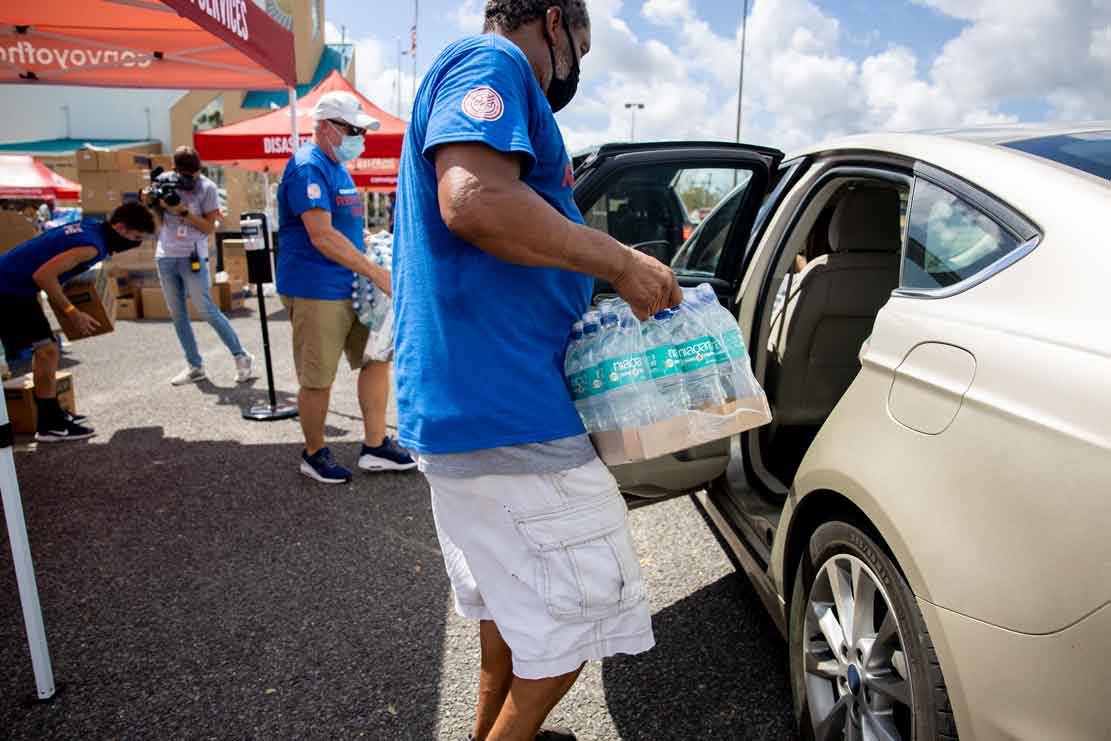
866, 220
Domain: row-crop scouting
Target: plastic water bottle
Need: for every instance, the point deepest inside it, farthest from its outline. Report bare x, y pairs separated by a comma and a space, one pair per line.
605, 346
595, 414
698, 353
632, 396
371, 304
572, 370
733, 368
665, 368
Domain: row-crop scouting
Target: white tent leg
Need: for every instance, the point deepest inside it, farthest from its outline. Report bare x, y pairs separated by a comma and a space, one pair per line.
24, 568
293, 118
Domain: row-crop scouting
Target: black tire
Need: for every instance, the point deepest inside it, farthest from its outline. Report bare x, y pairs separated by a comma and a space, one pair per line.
931, 714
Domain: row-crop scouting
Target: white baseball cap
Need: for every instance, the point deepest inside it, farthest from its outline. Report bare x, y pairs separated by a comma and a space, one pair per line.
343, 106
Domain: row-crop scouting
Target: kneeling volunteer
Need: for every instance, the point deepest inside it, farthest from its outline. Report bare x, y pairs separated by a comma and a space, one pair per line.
45, 263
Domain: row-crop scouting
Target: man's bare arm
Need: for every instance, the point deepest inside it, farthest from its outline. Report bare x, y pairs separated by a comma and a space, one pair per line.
484, 202
338, 248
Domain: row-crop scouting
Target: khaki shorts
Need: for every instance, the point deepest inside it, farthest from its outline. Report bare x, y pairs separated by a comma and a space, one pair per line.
322, 331
550, 560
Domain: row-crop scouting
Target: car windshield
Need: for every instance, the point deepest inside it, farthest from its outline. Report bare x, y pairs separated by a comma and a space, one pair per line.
1089, 152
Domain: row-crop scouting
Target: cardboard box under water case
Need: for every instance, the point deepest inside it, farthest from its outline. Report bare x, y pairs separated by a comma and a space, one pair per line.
635, 444
96, 296
19, 395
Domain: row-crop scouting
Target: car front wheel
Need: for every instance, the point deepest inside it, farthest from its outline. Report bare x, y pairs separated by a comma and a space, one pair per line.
862, 663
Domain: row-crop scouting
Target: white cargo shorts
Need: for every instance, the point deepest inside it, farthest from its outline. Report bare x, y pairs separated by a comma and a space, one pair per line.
549, 559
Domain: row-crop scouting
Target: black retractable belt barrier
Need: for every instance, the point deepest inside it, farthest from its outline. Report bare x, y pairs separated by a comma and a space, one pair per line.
256, 236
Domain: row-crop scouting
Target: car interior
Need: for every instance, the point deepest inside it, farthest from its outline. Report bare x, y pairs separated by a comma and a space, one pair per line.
837, 274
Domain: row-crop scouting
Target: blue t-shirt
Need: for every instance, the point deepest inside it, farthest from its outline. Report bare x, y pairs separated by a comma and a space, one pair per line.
312, 180
19, 264
479, 342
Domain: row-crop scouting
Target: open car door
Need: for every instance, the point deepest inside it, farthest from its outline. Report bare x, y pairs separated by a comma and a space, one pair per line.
691, 205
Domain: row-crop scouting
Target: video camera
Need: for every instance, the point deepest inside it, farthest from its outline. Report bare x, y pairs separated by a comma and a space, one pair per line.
165, 185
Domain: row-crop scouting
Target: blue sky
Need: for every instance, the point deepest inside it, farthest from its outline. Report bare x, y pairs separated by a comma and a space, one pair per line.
814, 68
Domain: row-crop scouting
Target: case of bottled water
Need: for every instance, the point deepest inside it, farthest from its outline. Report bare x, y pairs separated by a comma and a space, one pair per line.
373, 307
646, 389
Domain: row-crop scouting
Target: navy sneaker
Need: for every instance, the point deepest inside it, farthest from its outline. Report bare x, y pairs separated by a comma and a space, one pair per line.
77, 419
389, 456
320, 467
63, 431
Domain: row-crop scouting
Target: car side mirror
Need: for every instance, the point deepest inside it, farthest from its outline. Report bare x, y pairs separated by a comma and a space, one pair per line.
658, 248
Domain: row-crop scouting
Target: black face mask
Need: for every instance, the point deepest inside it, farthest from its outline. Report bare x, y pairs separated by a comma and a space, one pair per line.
115, 242
560, 91
186, 182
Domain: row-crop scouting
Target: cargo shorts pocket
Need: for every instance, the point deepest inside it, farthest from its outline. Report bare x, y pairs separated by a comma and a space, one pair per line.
586, 566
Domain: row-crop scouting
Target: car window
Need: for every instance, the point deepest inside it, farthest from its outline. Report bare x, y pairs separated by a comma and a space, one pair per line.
657, 206
948, 240
702, 252
1088, 152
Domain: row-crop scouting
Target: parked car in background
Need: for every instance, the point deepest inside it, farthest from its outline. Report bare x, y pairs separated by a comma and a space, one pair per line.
926, 518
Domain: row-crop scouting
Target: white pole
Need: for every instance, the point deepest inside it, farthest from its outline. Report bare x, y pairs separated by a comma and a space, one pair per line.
293, 118
266, 195
24, 568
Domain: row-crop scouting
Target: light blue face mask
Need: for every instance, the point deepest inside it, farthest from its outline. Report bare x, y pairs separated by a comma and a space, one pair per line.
350, 148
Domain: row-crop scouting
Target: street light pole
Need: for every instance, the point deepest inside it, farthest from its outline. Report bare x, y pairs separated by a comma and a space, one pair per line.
633, 108
741, 76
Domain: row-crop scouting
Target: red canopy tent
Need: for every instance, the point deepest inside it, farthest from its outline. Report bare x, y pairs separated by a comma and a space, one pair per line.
23, 177
187, 44
177, 44
263, 143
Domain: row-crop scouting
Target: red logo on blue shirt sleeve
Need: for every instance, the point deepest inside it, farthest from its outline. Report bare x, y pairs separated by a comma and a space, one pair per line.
483, 104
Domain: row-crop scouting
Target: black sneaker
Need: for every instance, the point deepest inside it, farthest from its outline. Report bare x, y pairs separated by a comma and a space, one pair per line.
389, 456
77, 419
64, 432
320, 467
555, 733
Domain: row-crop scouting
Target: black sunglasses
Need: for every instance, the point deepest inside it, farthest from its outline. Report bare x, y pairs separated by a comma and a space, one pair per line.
349, 128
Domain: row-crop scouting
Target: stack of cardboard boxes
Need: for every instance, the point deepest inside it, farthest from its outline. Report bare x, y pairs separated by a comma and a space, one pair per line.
110, 177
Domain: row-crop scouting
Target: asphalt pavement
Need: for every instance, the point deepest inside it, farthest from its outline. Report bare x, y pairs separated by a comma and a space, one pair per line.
194, 585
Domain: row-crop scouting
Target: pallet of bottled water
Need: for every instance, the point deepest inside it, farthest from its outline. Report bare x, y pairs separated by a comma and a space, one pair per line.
679, 379
373, 307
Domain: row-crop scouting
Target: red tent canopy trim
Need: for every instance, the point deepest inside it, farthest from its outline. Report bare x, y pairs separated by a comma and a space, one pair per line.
264, 143
229, 44
23, 177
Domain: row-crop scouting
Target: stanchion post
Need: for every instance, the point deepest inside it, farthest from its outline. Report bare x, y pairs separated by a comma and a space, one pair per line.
24, 567
256, 236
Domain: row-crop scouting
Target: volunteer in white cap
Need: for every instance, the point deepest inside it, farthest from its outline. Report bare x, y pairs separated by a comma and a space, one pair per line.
321, 245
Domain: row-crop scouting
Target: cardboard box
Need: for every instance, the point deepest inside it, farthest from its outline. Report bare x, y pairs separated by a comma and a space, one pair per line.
15, 229
19, 395
128, 183
232, 295
128, 308
96, 296
165, 161
86, 160
140, 259
635, 444
97, 196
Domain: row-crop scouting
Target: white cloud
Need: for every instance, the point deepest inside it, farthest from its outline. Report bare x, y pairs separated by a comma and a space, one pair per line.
469, 16
666, 11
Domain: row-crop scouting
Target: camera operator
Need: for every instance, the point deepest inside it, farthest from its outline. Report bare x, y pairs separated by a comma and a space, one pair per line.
187, 204
45, 263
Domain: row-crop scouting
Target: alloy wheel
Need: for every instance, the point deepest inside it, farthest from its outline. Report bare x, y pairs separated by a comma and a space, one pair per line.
857, 681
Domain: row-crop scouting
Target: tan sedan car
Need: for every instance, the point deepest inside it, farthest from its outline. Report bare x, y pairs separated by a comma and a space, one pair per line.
927, 520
